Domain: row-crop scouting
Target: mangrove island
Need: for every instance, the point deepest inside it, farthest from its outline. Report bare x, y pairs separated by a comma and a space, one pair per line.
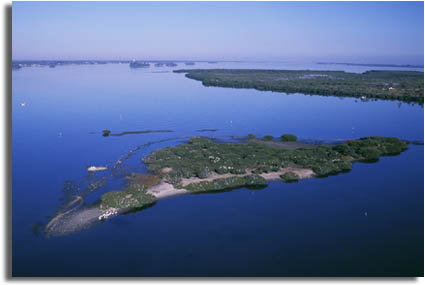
204, 165
407, 86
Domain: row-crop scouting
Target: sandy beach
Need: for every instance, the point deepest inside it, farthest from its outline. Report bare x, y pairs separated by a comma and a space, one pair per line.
165, 190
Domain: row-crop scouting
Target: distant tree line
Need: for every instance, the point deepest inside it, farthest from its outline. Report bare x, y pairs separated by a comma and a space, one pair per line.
407, 86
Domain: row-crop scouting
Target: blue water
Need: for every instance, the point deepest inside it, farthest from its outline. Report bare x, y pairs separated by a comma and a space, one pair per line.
316, 227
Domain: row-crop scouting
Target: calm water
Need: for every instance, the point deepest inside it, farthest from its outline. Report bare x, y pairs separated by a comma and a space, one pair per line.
316, 227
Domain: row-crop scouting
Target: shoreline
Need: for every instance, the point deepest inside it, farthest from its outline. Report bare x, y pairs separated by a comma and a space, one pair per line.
205, 166
164, 190
369, 85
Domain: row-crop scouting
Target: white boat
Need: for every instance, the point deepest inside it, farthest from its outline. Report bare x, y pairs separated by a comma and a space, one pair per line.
97, 168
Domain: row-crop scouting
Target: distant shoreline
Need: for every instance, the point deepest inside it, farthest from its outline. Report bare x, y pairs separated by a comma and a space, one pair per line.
19, 63
401, 85
374, 64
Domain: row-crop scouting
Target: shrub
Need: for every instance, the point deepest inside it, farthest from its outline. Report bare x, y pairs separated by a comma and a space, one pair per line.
251, 136
290, 177
268, 138
132, 197
370, 154
227, 183
288, 138
201, 156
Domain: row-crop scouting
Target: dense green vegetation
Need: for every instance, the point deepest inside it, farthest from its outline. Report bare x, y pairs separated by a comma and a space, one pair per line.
374, 64
135, 196
227, 183
406, 86
288, 138
290, 177
268, 138
245, 162
201, 156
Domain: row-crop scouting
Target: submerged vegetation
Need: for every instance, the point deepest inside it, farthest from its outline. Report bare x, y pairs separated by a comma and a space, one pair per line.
242, 162
405, 86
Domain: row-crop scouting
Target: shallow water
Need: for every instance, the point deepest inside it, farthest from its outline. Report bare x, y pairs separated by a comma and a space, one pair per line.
316, 227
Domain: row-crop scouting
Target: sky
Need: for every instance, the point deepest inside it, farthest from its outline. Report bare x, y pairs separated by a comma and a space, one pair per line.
219, 30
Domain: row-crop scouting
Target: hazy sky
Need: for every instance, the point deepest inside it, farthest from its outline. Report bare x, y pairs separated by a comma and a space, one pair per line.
216, 30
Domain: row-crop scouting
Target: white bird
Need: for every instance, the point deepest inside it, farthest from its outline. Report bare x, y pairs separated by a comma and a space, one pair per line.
23, 104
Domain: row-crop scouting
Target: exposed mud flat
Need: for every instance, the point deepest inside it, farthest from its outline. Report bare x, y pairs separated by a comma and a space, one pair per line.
69, 223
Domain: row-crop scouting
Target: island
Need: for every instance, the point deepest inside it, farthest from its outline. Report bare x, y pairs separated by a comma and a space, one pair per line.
374, 64
139, 64
18, 64
204, 165
406, 86
170, 64
107, 133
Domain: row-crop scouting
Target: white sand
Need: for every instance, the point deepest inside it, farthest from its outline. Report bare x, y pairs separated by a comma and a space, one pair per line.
164, 190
